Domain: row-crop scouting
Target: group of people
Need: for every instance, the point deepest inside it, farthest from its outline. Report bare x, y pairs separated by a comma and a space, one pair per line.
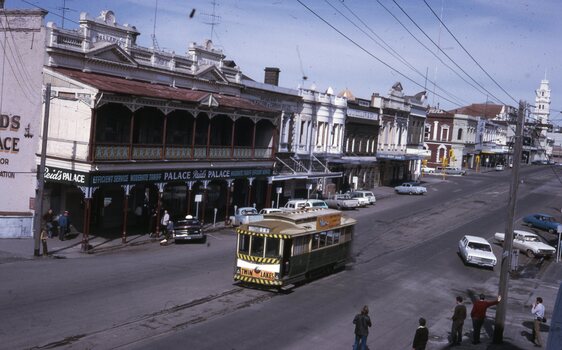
57, 225
362, 322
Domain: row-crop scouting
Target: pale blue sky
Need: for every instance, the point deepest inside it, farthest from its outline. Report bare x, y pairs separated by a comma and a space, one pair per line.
515, 41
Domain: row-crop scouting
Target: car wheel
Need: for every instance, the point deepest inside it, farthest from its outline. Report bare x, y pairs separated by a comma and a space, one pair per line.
551, 231
530, 253
410, 193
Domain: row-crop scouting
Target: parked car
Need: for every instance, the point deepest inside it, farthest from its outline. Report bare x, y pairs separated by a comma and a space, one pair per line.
477, 251
539, 162
371, 199
266, 211
427, 170
500, 167
529, 243
299, 204
542, 221
410, 188
454, 171
245, 215
342, 201
188, 228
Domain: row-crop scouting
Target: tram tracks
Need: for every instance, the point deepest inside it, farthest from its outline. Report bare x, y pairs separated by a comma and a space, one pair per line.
164, 322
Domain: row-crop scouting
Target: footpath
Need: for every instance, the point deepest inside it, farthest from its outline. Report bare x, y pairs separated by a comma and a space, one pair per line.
533, 278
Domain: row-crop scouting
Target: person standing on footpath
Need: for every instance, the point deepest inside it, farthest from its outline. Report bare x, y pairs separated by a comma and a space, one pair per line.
164, 222
49, 219
362, 322
459, 315
537, 309
421, 337
64, 225
478, 315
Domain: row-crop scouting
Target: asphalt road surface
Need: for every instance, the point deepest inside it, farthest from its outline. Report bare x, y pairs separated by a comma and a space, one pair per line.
183, 296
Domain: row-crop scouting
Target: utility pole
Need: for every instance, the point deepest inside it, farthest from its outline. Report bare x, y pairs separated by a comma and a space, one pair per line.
41, 175
508, 241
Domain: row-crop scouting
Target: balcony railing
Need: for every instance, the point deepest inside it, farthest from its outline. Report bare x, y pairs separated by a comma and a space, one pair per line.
114, 152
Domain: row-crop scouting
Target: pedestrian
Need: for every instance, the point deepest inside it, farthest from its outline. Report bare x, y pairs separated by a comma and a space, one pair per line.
478, 315
164, 222
49, 219
459, 315
362, 322
43, 237
152, 223
537, 309
422, 336
64, 225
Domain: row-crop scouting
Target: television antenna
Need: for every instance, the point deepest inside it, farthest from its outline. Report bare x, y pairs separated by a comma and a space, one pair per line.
213, 20
64, 9
155, 45
304, 77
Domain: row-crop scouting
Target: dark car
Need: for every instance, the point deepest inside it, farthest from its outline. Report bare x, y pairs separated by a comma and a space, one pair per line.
188, 228
543, 221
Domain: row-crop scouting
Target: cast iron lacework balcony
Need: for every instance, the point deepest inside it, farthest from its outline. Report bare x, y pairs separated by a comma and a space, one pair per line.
119, 152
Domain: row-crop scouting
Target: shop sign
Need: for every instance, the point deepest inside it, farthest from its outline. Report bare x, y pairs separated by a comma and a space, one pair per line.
65, 176
176, 175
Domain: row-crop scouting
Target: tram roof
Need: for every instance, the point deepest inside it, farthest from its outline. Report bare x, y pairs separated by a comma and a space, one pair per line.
286, 224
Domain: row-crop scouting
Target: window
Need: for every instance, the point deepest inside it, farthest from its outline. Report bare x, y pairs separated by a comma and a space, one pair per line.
459, 134
256, 248
271, 247
300, 245
244, 244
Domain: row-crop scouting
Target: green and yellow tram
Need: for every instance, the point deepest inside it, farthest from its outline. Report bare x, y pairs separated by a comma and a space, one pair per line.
289, 247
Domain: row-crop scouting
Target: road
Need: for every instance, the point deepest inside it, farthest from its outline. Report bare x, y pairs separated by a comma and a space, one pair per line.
182, 296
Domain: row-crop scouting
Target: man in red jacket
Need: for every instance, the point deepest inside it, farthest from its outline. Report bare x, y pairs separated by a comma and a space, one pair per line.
478, 315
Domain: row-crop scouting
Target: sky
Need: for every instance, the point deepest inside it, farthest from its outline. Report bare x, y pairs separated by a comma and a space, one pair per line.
460, 51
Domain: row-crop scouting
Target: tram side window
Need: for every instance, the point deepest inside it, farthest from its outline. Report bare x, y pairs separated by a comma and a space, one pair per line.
257, 246
271, 247
300, 245
244, 244
333, 237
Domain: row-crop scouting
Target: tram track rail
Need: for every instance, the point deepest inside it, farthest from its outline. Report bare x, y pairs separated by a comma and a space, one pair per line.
163, 322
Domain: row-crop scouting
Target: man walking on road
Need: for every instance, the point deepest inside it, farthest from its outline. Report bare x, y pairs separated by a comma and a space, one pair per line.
459, 315
538, 314
421, 337
362, 323
478, 315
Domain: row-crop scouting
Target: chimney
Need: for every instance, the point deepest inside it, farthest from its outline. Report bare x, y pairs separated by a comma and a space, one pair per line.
271, 76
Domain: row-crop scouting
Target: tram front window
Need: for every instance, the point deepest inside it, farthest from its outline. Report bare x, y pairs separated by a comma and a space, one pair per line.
244, 244
271, 247
257, 246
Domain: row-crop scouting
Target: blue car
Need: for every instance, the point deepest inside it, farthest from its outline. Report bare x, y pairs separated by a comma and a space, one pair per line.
542, 221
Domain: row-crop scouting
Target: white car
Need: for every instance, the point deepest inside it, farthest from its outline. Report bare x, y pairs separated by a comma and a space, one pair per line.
364, 197
477, 251
529, 243
427, 170
499, 167
410, 188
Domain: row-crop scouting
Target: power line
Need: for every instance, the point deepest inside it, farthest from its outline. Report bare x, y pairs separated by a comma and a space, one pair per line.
369, 53
468, 53
444, 53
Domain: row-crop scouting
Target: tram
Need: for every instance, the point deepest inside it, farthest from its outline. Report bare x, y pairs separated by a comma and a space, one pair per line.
290, 247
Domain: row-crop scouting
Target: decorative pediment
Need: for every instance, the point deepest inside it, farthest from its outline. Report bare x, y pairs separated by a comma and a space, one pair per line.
211, 73
111, 52
209, 101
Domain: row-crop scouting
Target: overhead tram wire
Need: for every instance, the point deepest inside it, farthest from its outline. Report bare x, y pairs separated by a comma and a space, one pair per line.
469, 55
444, 53
370, 54
388, 48
429, 50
